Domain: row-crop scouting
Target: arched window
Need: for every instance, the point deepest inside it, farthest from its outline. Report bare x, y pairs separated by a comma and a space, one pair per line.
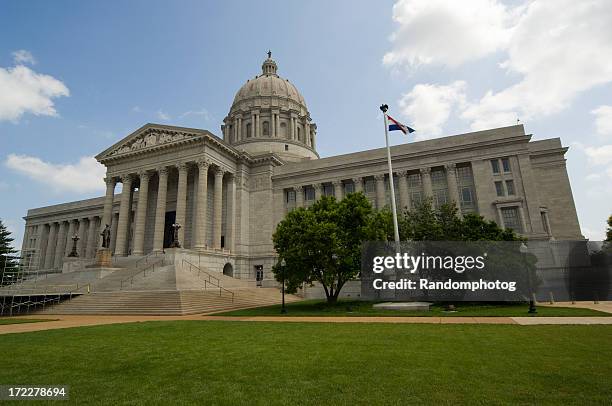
266, 128
283, 130
248, 130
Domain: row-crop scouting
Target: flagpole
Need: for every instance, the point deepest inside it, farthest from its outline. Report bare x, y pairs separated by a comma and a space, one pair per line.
384, 109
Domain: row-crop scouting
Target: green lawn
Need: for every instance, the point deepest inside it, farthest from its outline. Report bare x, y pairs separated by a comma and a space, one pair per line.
360, 308
204, 362
13, 320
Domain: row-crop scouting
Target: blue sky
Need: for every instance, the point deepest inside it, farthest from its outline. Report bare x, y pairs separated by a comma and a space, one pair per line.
77, 76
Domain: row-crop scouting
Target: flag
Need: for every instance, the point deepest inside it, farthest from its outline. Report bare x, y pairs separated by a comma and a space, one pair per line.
397, 126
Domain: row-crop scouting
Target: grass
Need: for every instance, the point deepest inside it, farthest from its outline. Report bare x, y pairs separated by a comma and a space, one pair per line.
210, 362
13, 320
360, 308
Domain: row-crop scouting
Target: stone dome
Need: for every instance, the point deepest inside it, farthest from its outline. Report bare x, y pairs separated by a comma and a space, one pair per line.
269, 114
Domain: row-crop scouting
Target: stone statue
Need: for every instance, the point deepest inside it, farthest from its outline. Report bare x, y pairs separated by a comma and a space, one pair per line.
106, 236
175, 240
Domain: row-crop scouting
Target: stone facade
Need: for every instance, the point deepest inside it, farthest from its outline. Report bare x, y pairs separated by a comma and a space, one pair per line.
229, 193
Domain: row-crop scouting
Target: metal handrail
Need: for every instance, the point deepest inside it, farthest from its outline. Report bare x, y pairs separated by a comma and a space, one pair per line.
146, 258
143, 272
210, 278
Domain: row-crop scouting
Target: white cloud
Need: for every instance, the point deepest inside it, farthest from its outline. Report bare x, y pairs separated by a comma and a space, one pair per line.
603, 120
558, 49
83, 177
447, 32
561, 48
136, 109
203, 112
429, 106
162, 115
25, 91
22, 56
599, 155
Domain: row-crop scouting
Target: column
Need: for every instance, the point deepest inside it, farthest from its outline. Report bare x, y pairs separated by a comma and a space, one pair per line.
217, 208
51, 244
402, 178
108, 201
239, 129
306, 132
273, 125
160, 211
318, 192
380, 191
181, 201
141, 213
40, 246
258, 127
91, 237
69, 234
231, 213
277, 125
202, 203
358, 182
253, 125
61, 245
338, 191
453, 190
291, 128
426, 181
81, 241
124, 216
113, 240
299, 196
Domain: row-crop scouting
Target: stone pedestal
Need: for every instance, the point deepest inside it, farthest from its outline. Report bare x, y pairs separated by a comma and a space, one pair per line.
104, 258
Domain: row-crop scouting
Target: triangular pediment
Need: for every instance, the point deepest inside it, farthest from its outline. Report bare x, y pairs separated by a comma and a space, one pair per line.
152, 137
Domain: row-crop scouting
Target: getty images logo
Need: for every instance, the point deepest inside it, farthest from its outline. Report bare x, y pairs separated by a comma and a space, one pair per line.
413, 263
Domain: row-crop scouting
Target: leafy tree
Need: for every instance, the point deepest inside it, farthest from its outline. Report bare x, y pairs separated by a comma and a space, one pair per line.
609, 230
8, 260
322, 243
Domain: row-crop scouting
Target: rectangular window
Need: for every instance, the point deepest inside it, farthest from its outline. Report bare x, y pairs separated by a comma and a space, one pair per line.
440, 197
499, 188
290, 196
370, 186
328, 190
438, 177
466, 195
349, 188
415, 199
506, 164
495, 165
510, 187
414, 180
309, 193
544, 216
464, 174
511, 219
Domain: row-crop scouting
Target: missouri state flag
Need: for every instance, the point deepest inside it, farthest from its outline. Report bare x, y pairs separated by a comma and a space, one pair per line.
395, 125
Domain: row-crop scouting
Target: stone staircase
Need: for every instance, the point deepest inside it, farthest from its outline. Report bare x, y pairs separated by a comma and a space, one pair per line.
171, 302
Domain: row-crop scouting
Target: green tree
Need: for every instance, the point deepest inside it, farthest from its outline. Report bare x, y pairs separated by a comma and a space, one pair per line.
322, 243
8, 259
609, 230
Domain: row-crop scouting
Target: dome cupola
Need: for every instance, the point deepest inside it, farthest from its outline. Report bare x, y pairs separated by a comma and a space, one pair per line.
268, 115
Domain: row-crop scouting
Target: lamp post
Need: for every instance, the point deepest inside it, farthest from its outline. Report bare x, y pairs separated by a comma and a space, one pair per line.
282, 264
524, 251
73, 252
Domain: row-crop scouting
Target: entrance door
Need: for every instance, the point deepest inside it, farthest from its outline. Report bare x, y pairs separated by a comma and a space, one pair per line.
168, 231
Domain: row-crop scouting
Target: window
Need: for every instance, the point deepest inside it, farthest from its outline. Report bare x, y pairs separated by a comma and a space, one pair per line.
510, 187
283, 130
511, 219
544, 216
438, 177
286, 147
309, 193
370, 186
495, 165
328, 190
466, 195
506, 164
291, 196
464, 174
415, 198
249, 128
499, 188
440, 197
266, 128
414, 180
299, 134
349, 188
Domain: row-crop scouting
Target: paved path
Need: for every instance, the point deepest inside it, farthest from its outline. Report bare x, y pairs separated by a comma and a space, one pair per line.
67, 321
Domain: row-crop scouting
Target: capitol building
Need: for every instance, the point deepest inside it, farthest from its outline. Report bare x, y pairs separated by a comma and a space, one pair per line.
229, 191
